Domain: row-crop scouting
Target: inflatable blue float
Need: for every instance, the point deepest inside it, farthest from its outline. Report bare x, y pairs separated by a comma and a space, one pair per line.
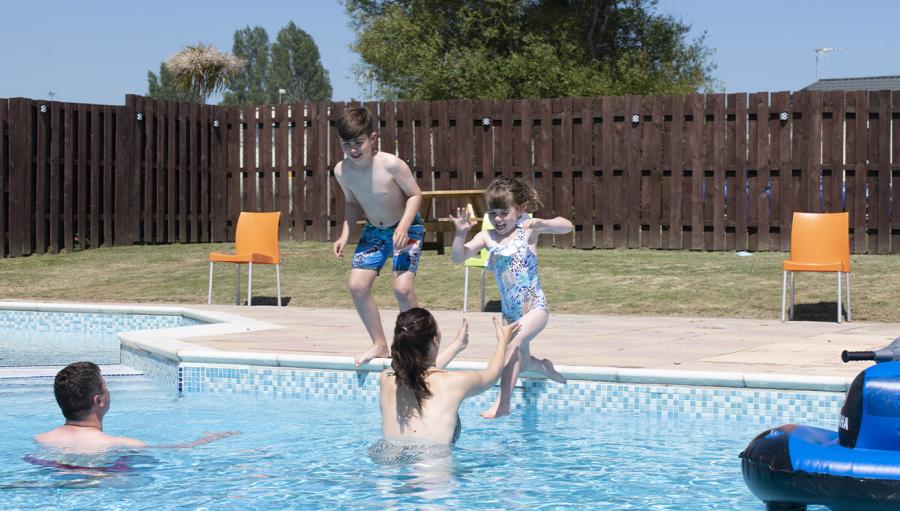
856, 468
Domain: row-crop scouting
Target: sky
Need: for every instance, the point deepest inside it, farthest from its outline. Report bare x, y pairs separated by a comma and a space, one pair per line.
96, 51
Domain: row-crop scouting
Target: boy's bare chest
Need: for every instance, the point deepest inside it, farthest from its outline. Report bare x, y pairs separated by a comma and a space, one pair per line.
372, 187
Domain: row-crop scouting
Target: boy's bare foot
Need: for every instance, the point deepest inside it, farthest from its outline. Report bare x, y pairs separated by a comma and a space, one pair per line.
495, 411
376, 351
551, 371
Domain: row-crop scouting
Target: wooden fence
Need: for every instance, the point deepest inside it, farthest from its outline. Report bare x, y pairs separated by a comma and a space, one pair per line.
699, 172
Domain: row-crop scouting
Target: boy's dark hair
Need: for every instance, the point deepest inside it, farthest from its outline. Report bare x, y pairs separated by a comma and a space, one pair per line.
75, 387
355, 122
504, 192
413, 334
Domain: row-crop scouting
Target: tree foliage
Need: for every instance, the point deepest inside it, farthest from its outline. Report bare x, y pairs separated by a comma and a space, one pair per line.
497, 49
250, 87
291, 63
163, 87
297, 67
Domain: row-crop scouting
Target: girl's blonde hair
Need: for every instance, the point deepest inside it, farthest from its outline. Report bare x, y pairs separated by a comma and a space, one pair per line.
504, 192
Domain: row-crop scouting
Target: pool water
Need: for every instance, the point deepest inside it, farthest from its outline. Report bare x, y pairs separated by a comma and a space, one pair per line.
307, 454
39, 338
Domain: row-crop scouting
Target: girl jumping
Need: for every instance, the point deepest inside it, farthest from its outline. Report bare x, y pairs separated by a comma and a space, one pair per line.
512, 253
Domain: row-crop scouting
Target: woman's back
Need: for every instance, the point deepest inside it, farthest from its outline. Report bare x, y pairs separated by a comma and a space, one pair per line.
438, 418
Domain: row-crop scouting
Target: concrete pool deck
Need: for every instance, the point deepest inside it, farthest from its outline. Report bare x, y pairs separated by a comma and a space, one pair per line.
801, 348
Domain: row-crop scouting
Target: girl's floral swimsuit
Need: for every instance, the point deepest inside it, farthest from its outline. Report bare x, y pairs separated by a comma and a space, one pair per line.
515, 268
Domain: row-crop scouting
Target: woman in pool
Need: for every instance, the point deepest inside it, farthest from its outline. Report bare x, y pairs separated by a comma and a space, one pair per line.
419, 400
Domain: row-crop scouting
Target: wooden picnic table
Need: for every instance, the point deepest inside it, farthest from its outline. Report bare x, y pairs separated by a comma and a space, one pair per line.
474, 204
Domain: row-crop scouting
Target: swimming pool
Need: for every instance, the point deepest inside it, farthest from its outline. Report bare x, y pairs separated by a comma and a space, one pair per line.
305, 453
39, 338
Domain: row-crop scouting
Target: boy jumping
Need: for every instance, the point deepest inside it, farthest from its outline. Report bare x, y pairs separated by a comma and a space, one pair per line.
381, 186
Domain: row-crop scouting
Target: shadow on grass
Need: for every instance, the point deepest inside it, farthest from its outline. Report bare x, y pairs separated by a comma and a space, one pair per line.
270, 300
821, 311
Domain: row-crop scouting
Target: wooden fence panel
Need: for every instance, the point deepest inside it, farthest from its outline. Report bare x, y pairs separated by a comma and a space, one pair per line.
298, 171
718, 158
109, 175
694, 158
616, 183
41, 196
250, 173
95, 177
895, 172
282, 186
856, 157
780, 203
5, 145
883, 140
676, 172
582, 172
82, 176
336, 154
633, 172
563, 198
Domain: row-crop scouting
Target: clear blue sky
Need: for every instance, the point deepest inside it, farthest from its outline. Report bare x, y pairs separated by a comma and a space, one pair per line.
96, 51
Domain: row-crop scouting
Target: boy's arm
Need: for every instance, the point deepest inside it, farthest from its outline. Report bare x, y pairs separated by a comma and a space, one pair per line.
407, 183
454, 348
558, 225
352, 212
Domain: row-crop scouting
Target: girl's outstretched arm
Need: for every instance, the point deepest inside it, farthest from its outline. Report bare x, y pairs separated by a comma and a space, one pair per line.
454, 348
558, 225
462, 250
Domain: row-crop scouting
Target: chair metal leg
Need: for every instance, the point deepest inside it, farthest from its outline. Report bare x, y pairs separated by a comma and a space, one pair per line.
237, 292
848, 296
249, 284
482, 290
209, 297
840, 297
783, 293
278, 282
466, 291
792, 297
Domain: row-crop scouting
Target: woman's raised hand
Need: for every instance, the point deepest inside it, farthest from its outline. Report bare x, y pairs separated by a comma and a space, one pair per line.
505, 333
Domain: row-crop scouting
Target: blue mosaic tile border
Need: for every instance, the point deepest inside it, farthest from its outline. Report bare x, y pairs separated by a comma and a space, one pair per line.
808, 407
154, 367
89, 322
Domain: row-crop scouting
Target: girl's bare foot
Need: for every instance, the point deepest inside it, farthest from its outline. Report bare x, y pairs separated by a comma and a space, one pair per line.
495, 411
376, 351
551, 371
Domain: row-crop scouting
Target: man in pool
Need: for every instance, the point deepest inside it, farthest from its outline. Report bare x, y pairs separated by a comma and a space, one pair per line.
83, 397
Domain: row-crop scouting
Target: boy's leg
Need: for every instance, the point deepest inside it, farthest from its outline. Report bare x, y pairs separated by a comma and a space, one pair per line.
360, 286
530, 325
405, 266
405, 290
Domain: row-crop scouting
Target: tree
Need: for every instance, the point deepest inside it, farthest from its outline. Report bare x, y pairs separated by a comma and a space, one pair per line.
251, 86
297, 68
163, 87
203, 69
497, 49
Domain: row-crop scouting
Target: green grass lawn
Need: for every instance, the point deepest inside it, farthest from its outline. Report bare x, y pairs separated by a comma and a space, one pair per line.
639, 282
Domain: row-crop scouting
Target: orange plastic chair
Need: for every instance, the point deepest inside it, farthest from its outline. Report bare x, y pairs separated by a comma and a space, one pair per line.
820, 242
256, 242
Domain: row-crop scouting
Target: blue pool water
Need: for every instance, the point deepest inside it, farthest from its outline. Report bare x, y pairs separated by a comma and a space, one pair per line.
307, 454
36, 338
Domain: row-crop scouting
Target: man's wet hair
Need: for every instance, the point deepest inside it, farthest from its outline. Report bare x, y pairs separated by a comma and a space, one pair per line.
355, 122
75, 387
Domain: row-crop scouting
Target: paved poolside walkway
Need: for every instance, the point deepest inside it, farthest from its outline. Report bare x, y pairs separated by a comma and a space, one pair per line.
697, 344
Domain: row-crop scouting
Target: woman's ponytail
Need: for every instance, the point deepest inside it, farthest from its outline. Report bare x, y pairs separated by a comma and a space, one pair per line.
413, 335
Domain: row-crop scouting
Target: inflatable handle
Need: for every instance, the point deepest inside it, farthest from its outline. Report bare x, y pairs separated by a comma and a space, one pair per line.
852, 356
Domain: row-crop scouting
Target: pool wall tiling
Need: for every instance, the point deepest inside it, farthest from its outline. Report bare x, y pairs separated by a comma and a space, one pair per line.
801, 406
